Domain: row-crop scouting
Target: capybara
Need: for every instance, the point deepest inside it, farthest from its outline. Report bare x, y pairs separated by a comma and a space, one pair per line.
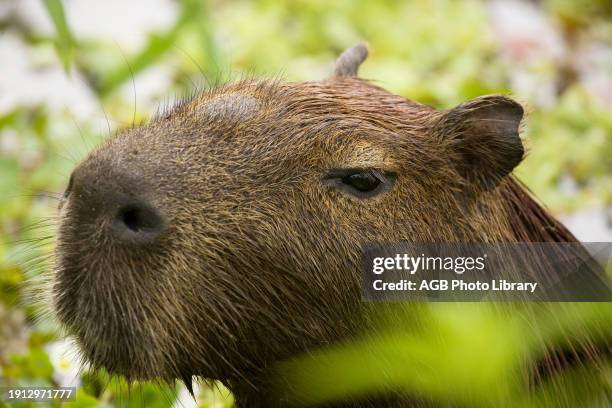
224, 235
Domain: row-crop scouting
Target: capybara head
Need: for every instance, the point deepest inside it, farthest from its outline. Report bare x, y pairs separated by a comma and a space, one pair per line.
225, 234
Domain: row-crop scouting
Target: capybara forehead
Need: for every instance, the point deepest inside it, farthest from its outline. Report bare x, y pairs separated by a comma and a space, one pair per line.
322, 102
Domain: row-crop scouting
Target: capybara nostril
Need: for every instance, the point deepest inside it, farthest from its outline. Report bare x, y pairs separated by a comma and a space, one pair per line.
113, 201
137, 223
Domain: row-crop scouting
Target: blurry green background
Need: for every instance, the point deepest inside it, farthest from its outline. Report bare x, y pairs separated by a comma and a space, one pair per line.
71, 72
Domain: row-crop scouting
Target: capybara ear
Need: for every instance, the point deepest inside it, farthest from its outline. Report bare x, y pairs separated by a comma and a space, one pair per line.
484, 138
349, 61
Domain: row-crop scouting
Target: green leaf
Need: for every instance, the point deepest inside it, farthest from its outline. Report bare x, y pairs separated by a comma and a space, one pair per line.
193, 13
64, 42
156, 47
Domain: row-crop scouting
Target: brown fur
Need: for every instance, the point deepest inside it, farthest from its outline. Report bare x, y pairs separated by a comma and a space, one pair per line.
260, 260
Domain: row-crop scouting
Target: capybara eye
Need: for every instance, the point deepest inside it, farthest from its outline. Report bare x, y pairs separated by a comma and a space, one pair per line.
362, 183
365, 181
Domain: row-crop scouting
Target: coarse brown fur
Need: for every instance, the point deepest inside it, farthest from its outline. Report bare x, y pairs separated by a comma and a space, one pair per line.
259, 260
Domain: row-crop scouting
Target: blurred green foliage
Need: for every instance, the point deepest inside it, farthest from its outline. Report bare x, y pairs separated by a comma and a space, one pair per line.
439, 52
444, 359
64, 42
